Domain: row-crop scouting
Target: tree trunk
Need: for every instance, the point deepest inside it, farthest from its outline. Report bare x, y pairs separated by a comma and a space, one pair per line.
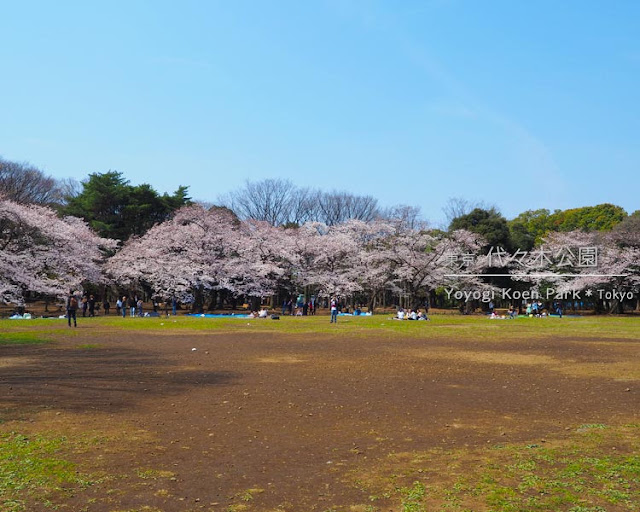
221, 295
213, 300
198, 302
371, 303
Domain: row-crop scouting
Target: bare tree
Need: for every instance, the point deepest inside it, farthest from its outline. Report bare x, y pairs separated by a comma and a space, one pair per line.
303, 206
458, 206
405, 217
24, 183
69, 188
336, 207
268, 200
279, 202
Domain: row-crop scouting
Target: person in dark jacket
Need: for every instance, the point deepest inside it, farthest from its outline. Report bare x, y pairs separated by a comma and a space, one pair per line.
72, 308
132, 305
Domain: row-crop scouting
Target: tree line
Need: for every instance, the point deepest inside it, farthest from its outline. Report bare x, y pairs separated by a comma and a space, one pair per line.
116, 209
271, 237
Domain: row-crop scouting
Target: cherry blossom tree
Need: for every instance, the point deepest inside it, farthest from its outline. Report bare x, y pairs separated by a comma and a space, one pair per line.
373, 270
43, 253
332, 266
595, 263
259, 260
422, 260
369, 257
183, 256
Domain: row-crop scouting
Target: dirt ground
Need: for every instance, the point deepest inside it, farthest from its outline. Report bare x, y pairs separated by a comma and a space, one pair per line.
265, 421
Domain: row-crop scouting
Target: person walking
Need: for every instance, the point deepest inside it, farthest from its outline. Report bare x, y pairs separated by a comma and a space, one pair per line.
334, 311
72, 308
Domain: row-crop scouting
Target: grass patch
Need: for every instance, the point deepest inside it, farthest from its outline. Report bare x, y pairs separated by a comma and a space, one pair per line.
585, 473
31, 472
153, 474
88, 346
441, 326
22, 338
144, 508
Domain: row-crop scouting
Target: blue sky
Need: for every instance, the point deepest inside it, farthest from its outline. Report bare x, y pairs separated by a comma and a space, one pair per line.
521, 104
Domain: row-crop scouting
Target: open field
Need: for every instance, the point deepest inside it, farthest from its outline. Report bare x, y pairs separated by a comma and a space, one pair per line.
460, 413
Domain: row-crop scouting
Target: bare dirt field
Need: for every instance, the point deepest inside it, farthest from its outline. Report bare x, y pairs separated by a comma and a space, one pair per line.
356, 420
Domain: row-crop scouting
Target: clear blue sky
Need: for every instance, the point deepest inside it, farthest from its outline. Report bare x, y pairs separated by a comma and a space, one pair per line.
522, 104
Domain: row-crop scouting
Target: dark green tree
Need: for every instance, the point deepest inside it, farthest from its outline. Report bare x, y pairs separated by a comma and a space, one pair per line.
488, 223
116, 209
602, 217
530, 227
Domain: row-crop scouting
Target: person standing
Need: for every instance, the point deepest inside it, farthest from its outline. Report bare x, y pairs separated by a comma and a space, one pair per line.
92, 305
132, 306
85, 305
334, 311
124, 306
72, 308
106, 306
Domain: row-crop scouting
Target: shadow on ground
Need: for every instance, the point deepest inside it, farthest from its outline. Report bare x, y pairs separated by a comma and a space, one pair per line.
91, 379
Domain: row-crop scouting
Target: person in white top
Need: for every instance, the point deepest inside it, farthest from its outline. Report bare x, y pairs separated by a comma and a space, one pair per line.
334, 310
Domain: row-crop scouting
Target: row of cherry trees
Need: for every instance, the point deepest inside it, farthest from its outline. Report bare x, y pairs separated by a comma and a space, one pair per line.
200, 253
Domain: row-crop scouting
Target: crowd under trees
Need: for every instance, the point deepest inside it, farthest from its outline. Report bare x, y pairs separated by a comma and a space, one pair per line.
272, 240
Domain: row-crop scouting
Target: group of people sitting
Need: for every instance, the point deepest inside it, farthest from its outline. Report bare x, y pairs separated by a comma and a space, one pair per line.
411, 315
534, 309
263, 313
511, 313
